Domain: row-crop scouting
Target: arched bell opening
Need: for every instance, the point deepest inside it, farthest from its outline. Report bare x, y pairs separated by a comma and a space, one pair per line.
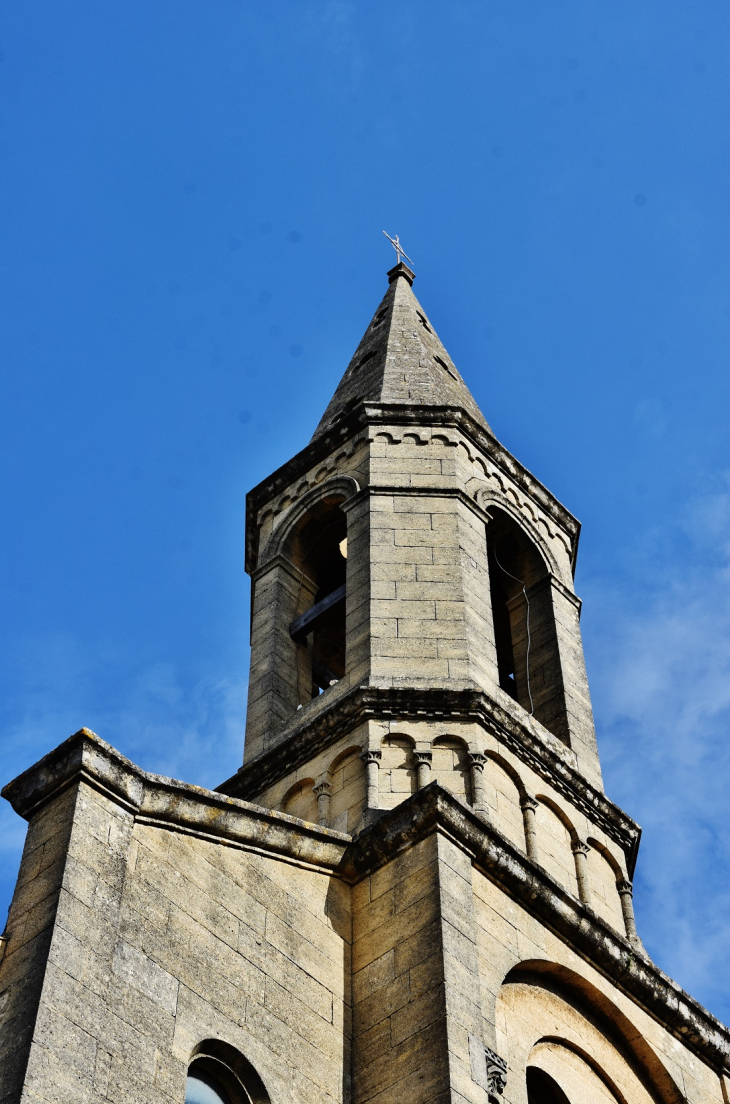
528, 658
318, 550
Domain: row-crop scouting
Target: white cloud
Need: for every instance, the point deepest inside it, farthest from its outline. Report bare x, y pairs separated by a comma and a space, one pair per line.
658, 645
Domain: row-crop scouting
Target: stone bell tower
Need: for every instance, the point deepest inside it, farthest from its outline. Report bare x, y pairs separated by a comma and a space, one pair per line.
414, 890
405, 560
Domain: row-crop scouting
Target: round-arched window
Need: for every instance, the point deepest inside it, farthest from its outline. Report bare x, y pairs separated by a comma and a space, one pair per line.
203, 1088
219, 1074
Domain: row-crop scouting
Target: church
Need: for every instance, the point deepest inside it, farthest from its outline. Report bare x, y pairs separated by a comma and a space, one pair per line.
414, 890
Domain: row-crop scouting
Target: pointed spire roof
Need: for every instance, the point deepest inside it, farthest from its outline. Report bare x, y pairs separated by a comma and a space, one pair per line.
400, 360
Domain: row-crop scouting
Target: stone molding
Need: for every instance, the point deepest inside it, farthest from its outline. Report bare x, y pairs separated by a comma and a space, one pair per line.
335, 484
167, 803
363, 703
365, 414
271, 553
207, 814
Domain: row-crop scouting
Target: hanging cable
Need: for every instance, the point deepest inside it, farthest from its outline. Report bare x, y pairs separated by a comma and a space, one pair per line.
527, 602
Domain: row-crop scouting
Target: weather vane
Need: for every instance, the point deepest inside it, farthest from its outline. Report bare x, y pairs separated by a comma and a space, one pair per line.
399, 250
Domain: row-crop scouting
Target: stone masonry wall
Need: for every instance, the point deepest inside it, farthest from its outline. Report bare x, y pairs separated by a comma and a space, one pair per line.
30, 928
507, 936
418, 601
506, 784
162, 940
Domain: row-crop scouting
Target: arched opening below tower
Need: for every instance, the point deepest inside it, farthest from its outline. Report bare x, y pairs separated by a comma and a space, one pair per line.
542, 1089
319, 549
525, 635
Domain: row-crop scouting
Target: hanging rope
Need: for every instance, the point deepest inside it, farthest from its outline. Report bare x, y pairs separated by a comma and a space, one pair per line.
527, 601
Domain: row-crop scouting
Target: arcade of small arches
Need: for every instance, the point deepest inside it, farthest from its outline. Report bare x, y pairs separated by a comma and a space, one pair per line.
382, 777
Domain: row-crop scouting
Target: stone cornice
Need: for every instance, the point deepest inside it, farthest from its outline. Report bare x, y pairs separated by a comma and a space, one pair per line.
395, 414
314, 734
435, 809
167, 803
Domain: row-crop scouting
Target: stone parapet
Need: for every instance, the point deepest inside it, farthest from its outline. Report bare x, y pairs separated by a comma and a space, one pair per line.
164, 802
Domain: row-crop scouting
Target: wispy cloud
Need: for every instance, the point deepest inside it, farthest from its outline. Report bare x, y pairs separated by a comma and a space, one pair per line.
658, 644
188, 726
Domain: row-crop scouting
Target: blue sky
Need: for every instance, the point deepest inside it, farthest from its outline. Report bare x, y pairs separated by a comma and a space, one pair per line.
192, 200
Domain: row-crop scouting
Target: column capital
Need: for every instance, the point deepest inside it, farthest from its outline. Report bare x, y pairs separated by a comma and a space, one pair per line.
322, 787
528, 802
477, 760
578, 847
371, 755
624, 887
423, 757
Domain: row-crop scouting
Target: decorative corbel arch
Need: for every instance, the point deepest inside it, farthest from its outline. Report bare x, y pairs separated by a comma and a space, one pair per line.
509, 770
609, 857
353, 749
561, 815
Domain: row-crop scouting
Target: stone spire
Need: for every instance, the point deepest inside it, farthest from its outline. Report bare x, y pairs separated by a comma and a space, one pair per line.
400, 360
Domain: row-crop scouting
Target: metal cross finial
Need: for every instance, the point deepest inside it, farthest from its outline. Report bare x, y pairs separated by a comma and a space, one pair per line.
399, 250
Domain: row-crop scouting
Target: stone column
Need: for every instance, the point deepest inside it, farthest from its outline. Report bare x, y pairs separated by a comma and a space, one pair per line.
564, 703
580, 852
477, 760
281, 676
529, 807
626, 893
358, 603
322, 790
423, 768
371, 757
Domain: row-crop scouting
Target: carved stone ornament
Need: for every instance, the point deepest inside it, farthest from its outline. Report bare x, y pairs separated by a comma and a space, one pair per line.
496, 1075
487, 1069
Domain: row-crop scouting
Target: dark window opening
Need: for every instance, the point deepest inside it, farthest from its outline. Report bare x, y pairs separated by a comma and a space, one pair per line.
380, 316
444, 365
542, 1089
319, 627
365, 359
423, 322
346, 409
528, 660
